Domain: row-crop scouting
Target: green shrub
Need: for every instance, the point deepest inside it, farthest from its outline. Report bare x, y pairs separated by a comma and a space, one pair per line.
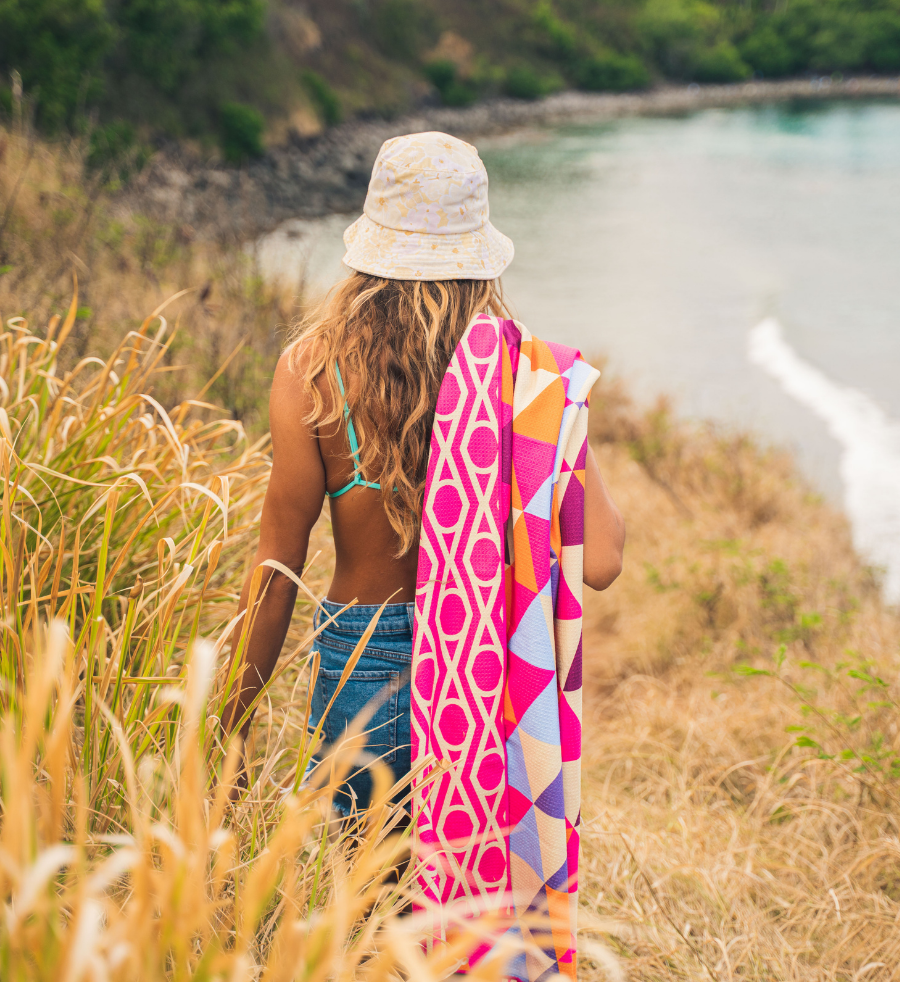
402, 28
440, 73
766, 51
115, 152
71, 52
58, 46
168, 64
691, 39
555, 37
883, 41
522, 82
611, 72
840, 44
824, 36
168, 40
240, 132
459, 94
453, 91
327, 103
721, 63
847, 715
674, 33
796, 26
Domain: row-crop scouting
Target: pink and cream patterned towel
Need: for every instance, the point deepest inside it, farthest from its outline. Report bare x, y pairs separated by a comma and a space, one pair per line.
496, 674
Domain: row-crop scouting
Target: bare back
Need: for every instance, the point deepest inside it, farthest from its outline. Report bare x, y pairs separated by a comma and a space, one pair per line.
307, 461
366, 567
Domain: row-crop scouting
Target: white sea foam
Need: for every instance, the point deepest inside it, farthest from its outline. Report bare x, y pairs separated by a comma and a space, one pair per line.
870, 444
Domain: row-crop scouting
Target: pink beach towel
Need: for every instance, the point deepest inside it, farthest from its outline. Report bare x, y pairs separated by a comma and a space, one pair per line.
496, 691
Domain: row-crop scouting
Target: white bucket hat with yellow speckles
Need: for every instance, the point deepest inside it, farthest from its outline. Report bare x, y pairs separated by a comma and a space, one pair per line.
426, 214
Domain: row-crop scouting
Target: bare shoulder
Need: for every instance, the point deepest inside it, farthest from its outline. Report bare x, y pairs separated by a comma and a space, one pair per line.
290, 402
297, 482
293, 365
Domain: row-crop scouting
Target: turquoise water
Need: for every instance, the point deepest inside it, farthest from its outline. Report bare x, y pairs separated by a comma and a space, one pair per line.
664, 243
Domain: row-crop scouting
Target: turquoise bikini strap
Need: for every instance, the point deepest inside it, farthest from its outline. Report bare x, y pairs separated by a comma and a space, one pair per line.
357, 479
351, 432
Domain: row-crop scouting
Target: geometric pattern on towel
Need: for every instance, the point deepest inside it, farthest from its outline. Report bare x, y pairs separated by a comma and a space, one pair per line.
497, 645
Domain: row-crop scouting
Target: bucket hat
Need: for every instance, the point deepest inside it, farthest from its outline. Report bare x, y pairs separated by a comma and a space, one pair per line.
426, 214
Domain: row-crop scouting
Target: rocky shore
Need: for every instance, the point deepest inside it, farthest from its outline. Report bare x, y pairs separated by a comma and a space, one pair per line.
312, 176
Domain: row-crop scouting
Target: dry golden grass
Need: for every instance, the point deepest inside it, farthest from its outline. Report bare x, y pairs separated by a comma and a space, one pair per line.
718, 846
58, 216
125, 531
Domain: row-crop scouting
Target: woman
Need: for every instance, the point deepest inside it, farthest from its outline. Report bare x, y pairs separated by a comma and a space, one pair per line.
351, 412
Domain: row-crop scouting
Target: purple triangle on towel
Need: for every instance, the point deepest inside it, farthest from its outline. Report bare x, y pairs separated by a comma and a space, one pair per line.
551, 800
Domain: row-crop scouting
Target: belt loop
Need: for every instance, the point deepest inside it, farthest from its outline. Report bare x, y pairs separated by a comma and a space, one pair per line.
317, 616
411, 613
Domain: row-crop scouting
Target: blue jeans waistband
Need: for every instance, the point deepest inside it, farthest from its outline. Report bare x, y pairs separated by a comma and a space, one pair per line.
396, 619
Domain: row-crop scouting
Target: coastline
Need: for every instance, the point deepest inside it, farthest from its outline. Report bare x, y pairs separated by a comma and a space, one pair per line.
683, 190
309, 177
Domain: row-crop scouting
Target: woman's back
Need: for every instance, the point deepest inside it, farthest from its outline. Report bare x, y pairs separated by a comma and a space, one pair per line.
366, 565
368, 368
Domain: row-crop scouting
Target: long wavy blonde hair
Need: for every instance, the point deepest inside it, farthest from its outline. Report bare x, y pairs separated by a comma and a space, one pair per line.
393, 340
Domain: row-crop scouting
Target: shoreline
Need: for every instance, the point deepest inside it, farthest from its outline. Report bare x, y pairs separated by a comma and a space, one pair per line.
310, 177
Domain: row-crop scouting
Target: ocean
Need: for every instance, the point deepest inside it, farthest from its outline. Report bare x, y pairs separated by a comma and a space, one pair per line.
746, 262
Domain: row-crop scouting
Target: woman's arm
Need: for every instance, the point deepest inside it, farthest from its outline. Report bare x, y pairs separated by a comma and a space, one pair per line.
292, 505
604, 529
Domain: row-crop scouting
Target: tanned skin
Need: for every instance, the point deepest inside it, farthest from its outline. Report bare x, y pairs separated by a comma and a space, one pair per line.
306, 462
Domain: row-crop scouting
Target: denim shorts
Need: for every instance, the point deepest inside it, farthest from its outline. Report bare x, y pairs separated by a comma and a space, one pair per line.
381, 676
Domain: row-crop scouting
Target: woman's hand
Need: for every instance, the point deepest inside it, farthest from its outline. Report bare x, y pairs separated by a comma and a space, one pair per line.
604, 529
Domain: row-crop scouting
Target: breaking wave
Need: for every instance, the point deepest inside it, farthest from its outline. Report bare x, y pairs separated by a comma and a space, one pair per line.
870, 448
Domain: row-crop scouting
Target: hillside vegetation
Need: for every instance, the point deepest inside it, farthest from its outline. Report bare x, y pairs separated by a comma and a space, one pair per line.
239, 72
59, 217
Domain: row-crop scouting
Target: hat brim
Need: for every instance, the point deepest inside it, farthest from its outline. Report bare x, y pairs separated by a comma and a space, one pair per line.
398, 255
